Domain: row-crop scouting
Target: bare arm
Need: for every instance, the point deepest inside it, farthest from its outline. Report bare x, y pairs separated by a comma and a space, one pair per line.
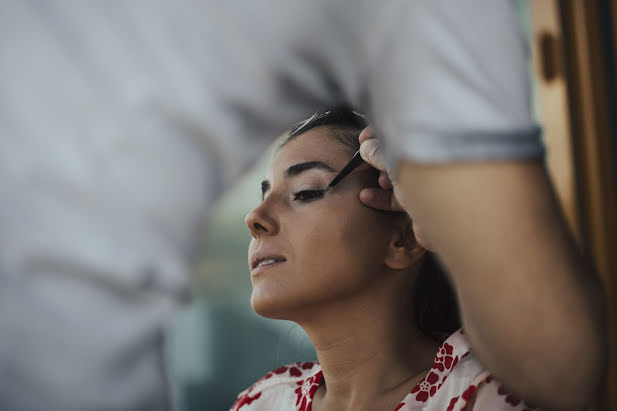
532, 310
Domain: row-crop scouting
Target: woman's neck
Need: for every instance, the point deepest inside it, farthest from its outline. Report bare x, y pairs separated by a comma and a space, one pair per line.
369, 350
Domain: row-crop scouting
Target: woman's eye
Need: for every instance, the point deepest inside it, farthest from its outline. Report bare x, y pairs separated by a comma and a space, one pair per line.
308, 195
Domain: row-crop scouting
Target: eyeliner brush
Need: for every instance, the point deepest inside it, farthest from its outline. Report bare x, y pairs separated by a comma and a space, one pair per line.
355, 161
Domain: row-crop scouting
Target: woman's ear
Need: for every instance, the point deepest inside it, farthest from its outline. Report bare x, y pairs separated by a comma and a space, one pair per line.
403, 249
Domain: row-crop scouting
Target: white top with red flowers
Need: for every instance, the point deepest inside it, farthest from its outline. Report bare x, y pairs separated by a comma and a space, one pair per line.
457, 381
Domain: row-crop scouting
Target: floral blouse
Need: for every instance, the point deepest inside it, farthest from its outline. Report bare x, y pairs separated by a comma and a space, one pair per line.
456, 382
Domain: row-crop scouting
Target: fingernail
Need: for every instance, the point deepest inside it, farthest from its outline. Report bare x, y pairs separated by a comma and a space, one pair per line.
369, 147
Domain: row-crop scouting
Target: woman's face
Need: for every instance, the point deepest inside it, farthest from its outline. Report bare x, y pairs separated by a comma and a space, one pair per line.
308, 248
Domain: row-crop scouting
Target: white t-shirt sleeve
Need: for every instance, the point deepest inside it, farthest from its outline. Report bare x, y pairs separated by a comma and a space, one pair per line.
450, 82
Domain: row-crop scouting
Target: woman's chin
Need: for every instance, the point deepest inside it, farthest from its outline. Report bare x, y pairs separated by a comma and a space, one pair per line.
267, 308
274, 307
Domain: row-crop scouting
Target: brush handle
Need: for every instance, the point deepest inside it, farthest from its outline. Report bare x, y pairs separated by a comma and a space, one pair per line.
355, 161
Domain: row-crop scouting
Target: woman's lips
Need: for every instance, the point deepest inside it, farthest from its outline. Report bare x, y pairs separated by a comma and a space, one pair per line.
265, 263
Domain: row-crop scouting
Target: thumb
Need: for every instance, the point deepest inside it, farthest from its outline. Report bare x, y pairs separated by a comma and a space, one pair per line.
372, 154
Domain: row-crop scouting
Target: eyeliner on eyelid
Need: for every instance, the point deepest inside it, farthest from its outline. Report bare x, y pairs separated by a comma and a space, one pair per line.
308, 195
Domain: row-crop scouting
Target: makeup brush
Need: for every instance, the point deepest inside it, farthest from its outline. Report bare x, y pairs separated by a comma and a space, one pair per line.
355, 161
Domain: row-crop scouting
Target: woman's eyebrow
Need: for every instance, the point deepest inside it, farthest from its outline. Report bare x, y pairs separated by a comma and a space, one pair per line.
301, 167
296, 169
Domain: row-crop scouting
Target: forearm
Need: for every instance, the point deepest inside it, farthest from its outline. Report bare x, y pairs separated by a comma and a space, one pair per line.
531, 308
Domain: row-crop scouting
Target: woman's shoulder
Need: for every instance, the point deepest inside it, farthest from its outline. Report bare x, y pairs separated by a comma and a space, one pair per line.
283, 388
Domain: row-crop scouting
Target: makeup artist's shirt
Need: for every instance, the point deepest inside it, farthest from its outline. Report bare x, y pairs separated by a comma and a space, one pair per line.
456, 382
441, 82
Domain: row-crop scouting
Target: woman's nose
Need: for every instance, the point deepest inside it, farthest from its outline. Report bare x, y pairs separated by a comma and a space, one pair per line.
260, 223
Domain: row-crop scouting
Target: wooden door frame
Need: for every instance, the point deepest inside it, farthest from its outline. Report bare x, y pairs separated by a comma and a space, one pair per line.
574, 53
589, 35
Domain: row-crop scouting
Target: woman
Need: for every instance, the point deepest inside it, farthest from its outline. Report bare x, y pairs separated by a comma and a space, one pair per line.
371, 299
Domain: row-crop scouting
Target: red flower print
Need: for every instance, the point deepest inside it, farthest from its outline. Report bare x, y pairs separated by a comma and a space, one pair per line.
422, 396
448, 348
422, 390
513, 399
245, 400
452, 402
306, 391
468, 392
466, 396
444, 361
281, 370
502, 390
510, 398
399, 406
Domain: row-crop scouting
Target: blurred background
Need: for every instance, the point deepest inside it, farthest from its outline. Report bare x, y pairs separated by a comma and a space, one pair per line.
218, 346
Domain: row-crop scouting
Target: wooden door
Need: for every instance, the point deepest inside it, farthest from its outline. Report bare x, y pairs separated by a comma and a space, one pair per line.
573, 45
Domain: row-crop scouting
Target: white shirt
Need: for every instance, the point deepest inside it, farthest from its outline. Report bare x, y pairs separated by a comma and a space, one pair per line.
456, 381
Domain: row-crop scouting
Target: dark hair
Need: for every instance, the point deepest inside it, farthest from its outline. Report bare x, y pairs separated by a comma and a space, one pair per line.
343, 123
435, 306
